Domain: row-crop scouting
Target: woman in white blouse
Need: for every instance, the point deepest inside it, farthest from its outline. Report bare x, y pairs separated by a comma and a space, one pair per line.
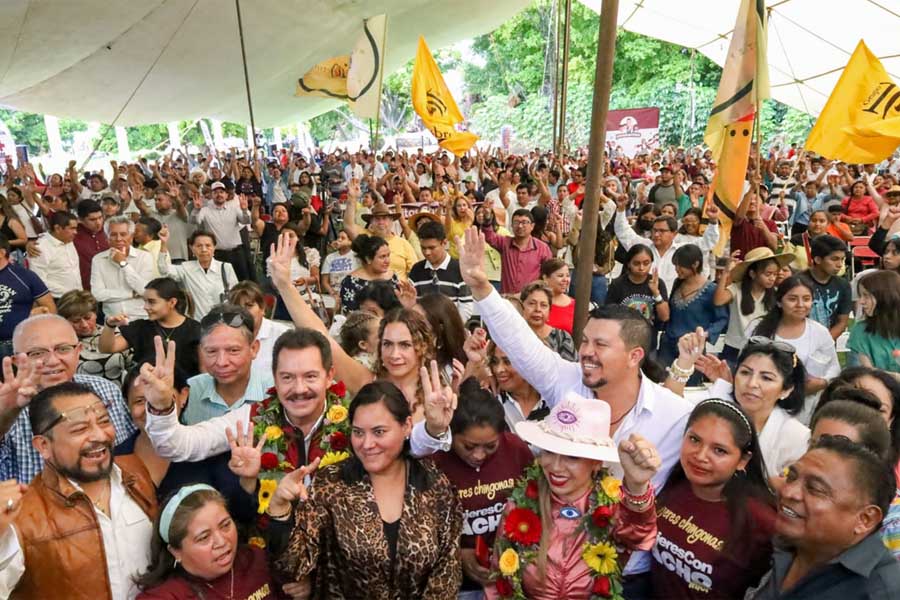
789, 322
769, 383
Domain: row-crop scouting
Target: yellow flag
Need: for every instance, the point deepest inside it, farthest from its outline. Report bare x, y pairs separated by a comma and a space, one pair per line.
355, 78
858, 124
435, 105
745, 77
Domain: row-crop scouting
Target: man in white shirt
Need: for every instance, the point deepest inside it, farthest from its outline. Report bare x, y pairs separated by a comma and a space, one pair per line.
353, 170
303, 371
120, 274
57, 264
225, 219
83, 527
612, 367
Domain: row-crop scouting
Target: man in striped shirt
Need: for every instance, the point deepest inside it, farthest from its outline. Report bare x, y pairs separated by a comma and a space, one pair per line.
439, 272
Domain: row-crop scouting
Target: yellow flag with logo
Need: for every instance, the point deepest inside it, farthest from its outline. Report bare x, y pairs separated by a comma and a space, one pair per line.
435, 105
859, 122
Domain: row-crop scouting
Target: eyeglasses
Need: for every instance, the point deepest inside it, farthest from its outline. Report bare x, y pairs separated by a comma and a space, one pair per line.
81, 416
521, 223
59, 350
231, 318
760, 340
660, 231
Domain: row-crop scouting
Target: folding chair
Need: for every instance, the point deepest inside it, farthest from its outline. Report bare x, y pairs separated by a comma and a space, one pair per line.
859, 249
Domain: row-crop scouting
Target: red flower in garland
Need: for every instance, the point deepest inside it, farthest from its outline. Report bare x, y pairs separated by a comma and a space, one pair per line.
602, 516
504, 587
338, 389
271, 391
523, 526
338, 441
268, 461
531, 489
602, 587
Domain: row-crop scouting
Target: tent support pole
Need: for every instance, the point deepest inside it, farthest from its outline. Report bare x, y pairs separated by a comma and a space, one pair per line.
606, 49
564, 84
237, 7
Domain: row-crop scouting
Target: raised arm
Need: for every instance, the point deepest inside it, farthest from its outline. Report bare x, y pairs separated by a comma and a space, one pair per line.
350, 371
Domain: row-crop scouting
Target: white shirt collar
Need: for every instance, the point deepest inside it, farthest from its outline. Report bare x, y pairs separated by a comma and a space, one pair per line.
441, 266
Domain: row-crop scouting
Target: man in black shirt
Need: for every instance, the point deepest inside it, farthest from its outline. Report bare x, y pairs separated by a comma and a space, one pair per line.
439, 272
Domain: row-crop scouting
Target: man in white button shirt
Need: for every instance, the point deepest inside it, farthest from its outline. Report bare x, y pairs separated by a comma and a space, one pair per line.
83, 527
225, 219
120, 274
57, 264
612, 367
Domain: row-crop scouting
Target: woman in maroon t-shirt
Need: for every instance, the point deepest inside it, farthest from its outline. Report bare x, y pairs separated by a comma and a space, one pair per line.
195, 553
483, 464
716, 513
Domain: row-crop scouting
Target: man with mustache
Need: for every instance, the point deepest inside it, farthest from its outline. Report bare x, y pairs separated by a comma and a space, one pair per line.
613, 367
47, 350
82, 530
830, 509
303, 371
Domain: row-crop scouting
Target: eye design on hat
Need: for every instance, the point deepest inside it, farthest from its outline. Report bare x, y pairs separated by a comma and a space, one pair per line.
566, 417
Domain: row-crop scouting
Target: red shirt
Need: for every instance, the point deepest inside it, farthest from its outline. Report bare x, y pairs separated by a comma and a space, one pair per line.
483, 492
863, 209
578, 198
745, 236
251, 580
518, 267
688, 561
88, 245
562, 317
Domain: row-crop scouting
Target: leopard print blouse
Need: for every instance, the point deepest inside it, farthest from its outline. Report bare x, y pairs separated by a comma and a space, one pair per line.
338, 539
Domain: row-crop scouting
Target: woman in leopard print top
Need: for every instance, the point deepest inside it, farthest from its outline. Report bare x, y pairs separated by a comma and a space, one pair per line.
380, 525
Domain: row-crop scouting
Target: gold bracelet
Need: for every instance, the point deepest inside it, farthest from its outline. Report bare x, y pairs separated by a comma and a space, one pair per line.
283, 517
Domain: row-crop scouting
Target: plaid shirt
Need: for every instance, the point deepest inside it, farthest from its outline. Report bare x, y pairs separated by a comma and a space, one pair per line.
18, 458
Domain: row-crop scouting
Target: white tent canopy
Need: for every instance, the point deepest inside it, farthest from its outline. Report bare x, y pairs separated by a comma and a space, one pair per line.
133, 62
810, 41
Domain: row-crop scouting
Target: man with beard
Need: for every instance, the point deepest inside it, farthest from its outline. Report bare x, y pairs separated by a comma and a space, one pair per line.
46, 354
83, 528
613, 366
303, 371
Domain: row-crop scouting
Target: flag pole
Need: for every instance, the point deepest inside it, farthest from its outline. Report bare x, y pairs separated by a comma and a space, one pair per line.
606, 50
237, 6
564, 85
380, 80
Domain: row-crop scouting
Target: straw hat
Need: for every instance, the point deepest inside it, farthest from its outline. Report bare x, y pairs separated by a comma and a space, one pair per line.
895, 190
380, 209
756, 255
576, 427
416, 219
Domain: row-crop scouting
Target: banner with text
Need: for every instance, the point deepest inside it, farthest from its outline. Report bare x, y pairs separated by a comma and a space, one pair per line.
632, 131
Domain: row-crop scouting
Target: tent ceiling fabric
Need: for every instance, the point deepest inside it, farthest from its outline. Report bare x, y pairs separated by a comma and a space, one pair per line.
181, 59
810, 41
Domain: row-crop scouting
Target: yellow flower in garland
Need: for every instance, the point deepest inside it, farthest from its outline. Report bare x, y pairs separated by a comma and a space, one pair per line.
266, 489
332, 458
257, 541
337, 413
509, 562
611, 486
273, 432
601, 558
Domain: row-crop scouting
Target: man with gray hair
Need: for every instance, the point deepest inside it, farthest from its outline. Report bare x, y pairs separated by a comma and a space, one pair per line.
46, 354
120, 274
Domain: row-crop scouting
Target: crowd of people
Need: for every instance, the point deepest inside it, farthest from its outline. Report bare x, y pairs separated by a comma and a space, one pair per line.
270, 374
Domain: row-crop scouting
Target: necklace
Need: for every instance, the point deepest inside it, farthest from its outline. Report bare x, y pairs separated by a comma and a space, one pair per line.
230, 592
624, 414
162, 332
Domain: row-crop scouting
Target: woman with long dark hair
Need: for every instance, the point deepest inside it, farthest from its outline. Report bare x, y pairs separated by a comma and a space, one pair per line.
720, 487
690, 305
876, 340
639, 286
448, 331
789, 322
378, 525
769, 384
166, 305
375, 255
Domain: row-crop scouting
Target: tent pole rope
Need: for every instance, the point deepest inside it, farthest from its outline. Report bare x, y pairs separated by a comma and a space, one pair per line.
237, 7
111, 126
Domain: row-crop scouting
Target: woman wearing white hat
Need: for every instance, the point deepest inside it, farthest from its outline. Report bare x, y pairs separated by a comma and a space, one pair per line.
569, 526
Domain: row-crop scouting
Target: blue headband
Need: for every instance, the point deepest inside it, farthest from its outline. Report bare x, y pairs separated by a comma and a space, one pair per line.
165, 519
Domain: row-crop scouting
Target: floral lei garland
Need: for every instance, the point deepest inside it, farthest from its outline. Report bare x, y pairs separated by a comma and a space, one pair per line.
521, 535
268, 418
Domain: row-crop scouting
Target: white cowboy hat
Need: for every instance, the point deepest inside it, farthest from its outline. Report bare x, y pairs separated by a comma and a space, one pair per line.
575, 427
